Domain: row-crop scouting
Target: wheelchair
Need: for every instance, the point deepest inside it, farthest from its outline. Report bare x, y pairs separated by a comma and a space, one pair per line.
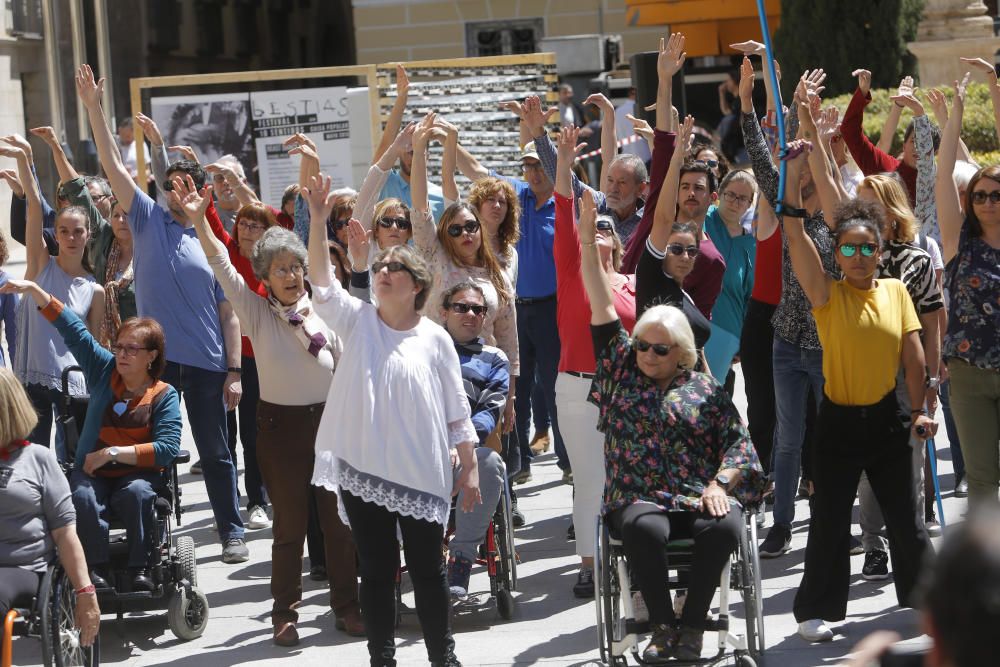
173, 568
49, 616
620, 633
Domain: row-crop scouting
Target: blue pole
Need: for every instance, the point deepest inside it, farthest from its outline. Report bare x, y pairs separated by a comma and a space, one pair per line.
932, 453
779, 111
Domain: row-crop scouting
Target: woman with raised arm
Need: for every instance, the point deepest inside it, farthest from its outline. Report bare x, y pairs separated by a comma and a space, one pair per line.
297, 356
42, 355
387, 452
869, 330
971, 245
670, 474
576, 358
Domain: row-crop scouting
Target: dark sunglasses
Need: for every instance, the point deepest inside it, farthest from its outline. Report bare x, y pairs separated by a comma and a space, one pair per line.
605, 225
711, 164
678, 250
337, 225
848, 249
980, 197
463, 308
660, 349
454, 231
401, 224
393, 267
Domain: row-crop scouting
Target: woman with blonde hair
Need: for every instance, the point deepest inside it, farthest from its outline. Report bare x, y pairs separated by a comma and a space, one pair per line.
498, 209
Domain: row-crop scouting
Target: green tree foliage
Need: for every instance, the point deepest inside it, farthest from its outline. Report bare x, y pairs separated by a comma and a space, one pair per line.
843, 35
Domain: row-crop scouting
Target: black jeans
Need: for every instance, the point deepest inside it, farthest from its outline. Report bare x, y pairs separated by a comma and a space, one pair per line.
243, 421
374, 529
18, 586
852, 439
758, 377
645, 530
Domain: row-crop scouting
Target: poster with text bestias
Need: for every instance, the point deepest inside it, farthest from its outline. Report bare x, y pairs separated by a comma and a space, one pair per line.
321, 113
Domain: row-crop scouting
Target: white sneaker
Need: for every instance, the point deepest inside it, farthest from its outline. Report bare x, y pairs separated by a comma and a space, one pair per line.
258, 518
815, 630
639, 611
679, 597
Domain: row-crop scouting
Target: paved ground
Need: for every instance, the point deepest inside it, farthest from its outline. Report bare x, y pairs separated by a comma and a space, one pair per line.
550, 626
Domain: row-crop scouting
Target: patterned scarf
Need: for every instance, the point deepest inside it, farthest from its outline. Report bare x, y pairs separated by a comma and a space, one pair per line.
308, 328
112, 290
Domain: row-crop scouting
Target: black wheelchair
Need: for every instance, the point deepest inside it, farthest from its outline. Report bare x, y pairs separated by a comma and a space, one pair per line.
174, 565
49, 616
619, 632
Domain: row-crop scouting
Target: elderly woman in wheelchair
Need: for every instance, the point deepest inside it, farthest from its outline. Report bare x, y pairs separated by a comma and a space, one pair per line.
36, 515
131, 433
677, 455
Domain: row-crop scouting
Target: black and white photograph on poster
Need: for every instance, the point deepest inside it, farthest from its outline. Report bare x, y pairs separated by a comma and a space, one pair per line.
213, 125
320, 113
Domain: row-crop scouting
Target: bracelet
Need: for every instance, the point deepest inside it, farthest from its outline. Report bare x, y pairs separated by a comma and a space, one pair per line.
89, 589
233, 369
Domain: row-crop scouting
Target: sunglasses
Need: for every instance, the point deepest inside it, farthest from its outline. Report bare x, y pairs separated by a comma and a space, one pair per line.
463, 308
401, 224
678, 250
392, 267
337, 225
848, 249
605, 225
660, 349
454, 231
711, 164
980, 197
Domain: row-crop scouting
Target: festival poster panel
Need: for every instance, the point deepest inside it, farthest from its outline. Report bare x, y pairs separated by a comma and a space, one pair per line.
321, 113
213, 125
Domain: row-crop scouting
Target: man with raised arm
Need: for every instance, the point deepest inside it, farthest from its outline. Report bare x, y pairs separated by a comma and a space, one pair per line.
175, 286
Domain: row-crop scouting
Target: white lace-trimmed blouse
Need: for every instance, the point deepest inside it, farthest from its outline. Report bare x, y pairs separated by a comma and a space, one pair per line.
395, 409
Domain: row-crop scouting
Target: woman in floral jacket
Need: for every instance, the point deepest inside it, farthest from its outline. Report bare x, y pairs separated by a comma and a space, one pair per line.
677, 455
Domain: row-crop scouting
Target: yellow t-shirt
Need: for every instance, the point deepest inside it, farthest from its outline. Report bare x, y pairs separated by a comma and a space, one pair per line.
862, 336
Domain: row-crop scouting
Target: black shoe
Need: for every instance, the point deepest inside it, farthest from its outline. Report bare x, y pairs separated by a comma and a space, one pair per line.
584, 586
141, 583
98, 581
876, 565
517, 516
689, 644
777, 542
317, 573
661, 645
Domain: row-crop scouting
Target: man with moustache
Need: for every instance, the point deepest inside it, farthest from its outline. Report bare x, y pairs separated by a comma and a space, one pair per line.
697, 196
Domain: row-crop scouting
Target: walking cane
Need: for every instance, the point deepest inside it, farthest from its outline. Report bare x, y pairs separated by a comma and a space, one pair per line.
931, 452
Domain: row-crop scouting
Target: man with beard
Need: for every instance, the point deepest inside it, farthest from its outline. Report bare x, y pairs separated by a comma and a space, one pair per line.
697, 196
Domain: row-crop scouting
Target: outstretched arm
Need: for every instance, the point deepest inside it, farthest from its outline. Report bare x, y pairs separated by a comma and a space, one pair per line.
595, 280
418, 170
666, 207
449, 160
895, 111
805, 258
396, 115
63, 167
90, 92
949, 210
819, 164
186, 197
609, 135
38, 254
668, 63
991, 82
320, 204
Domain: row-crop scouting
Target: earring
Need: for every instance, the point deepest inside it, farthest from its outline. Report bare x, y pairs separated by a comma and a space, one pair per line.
149, 366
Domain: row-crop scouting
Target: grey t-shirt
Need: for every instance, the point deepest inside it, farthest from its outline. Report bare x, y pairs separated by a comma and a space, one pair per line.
34, 500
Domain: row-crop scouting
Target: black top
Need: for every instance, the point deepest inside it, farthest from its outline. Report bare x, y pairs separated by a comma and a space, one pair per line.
653, 287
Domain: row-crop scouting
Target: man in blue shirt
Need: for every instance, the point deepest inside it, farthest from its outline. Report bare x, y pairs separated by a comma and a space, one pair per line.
175, 286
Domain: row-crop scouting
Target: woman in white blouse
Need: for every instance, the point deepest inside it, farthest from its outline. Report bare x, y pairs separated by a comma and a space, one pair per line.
396, 415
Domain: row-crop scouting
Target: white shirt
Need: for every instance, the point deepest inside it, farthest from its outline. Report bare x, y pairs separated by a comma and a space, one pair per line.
395, 409
128, 158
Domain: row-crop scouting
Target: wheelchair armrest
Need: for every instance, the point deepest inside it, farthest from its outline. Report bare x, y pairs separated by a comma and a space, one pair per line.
183, 456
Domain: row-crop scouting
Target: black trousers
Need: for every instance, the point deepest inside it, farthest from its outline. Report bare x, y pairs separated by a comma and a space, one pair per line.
758, 377
645, 530
852, 439
17, 588
374, 529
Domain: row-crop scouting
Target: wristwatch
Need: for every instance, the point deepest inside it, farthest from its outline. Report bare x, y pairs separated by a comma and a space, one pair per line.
723, 480
932, 382
113, 453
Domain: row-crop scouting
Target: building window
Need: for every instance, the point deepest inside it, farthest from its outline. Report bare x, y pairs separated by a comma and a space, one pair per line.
502, 38
26, 18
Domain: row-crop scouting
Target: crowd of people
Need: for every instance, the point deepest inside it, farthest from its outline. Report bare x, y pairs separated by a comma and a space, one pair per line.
612, 311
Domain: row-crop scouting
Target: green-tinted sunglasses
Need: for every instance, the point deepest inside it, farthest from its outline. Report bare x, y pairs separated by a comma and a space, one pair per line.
867, 249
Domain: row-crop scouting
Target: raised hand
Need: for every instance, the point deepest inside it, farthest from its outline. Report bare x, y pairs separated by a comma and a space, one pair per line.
149, 129
186, 152
981, 65
685, 134
88, 88
318, 196
602, 103
906, 86
587, 220
828, 123
12, 180
514, 107
864, 80
299, 139
403, 141
12, 152
46, 133
424, 131
19, 142
746, 84
15, 286
908, 101
811, 81
796, 155
534, 116
224, 170
305, 150
185, 196
641, 127
448, 128
749, 48
672, 56
402, 80
359, 243
960, 88
939, 105
567, 143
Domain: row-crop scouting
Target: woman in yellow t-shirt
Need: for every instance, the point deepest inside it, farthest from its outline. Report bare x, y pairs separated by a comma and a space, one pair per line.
868, 328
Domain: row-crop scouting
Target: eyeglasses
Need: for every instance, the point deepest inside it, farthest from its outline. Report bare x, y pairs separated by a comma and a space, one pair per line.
392, 267
849, 249
402, 224
283, 272
980, 197
463, 308
454, 231
734, 198
678, 250
659, 349
337, 225
250, 226
129, 350
605, 225
531, 166
711, 164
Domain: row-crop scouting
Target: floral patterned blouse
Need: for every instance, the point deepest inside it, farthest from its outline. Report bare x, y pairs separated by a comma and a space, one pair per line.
974, 315
664, 446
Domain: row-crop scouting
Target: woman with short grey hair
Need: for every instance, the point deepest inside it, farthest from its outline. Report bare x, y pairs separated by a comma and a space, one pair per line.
297, 355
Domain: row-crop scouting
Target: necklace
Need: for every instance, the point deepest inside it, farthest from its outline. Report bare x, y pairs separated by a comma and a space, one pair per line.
121, 405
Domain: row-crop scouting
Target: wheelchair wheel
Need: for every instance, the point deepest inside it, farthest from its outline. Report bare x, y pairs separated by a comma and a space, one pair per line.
186, 558
746, 661
505, 604
505, 543
607, 593
60, 639
187, 613
753, 593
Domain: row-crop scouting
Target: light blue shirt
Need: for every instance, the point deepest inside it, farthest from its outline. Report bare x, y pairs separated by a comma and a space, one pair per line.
175, 286
396, 186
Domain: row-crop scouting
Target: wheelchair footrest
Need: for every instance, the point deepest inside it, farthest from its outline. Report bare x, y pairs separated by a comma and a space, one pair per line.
112, 594
634, 627
717, 624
